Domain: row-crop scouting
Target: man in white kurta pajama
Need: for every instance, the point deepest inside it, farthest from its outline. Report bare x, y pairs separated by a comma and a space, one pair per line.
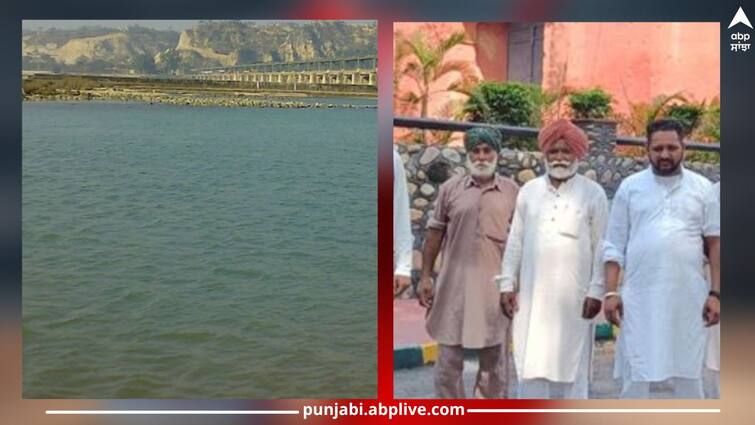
402, 229
657, 229
554, 253
713, 349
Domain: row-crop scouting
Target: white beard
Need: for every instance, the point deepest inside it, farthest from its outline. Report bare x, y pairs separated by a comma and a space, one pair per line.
562, 173
481, 168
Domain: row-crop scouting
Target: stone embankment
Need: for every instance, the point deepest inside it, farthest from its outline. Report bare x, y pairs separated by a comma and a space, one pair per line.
186, 99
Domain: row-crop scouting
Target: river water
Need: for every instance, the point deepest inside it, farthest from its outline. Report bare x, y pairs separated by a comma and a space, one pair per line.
180, 252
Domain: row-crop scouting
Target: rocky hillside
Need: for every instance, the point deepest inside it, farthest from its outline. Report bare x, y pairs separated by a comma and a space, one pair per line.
139, 50
95, 49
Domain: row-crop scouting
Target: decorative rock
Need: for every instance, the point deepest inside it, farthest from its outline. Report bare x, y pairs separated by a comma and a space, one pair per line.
610, 171
404, 158
606, 178
427, 189
441, 162
525, 175
438, 172
508, 154
429, 155
451, 155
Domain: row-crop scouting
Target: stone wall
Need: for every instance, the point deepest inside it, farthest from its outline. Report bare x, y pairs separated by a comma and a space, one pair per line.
428, 166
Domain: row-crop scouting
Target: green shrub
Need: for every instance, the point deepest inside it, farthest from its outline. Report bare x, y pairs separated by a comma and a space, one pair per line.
710, 127
509, 103
543, 101
699, 156
688, 114
590, 104
708, 130
502, 103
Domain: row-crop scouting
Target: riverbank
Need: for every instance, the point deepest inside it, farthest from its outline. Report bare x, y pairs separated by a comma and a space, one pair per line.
187, 100
172, 92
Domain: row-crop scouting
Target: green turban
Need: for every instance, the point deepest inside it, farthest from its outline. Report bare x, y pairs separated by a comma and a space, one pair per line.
477, 135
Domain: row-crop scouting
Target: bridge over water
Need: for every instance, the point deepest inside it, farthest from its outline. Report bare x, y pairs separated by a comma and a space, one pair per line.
355, 71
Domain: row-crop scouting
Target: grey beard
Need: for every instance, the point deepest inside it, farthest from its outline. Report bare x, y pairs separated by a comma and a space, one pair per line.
561, 173
488, 171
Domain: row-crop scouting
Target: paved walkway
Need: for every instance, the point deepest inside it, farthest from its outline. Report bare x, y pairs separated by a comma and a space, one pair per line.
417, 382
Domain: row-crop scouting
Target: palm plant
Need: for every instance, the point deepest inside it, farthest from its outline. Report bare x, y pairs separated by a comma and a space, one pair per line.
690, 115
424, 62
710, 126
642, 114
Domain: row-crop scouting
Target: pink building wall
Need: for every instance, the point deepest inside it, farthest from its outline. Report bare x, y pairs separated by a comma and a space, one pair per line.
634, 62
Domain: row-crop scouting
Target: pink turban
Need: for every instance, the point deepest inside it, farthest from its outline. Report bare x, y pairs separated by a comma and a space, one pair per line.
563, 129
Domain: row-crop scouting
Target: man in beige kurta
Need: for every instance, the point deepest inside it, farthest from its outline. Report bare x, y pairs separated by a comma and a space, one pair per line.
470, 223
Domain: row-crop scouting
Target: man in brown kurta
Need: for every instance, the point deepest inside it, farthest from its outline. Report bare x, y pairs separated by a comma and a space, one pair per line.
470, 223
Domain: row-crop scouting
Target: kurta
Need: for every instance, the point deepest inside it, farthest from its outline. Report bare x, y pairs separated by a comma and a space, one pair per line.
713, 349
466, 308
554, 252
655, 232
402, 229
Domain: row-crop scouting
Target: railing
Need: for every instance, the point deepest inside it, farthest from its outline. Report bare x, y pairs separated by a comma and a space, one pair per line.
338, 64
448, 125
